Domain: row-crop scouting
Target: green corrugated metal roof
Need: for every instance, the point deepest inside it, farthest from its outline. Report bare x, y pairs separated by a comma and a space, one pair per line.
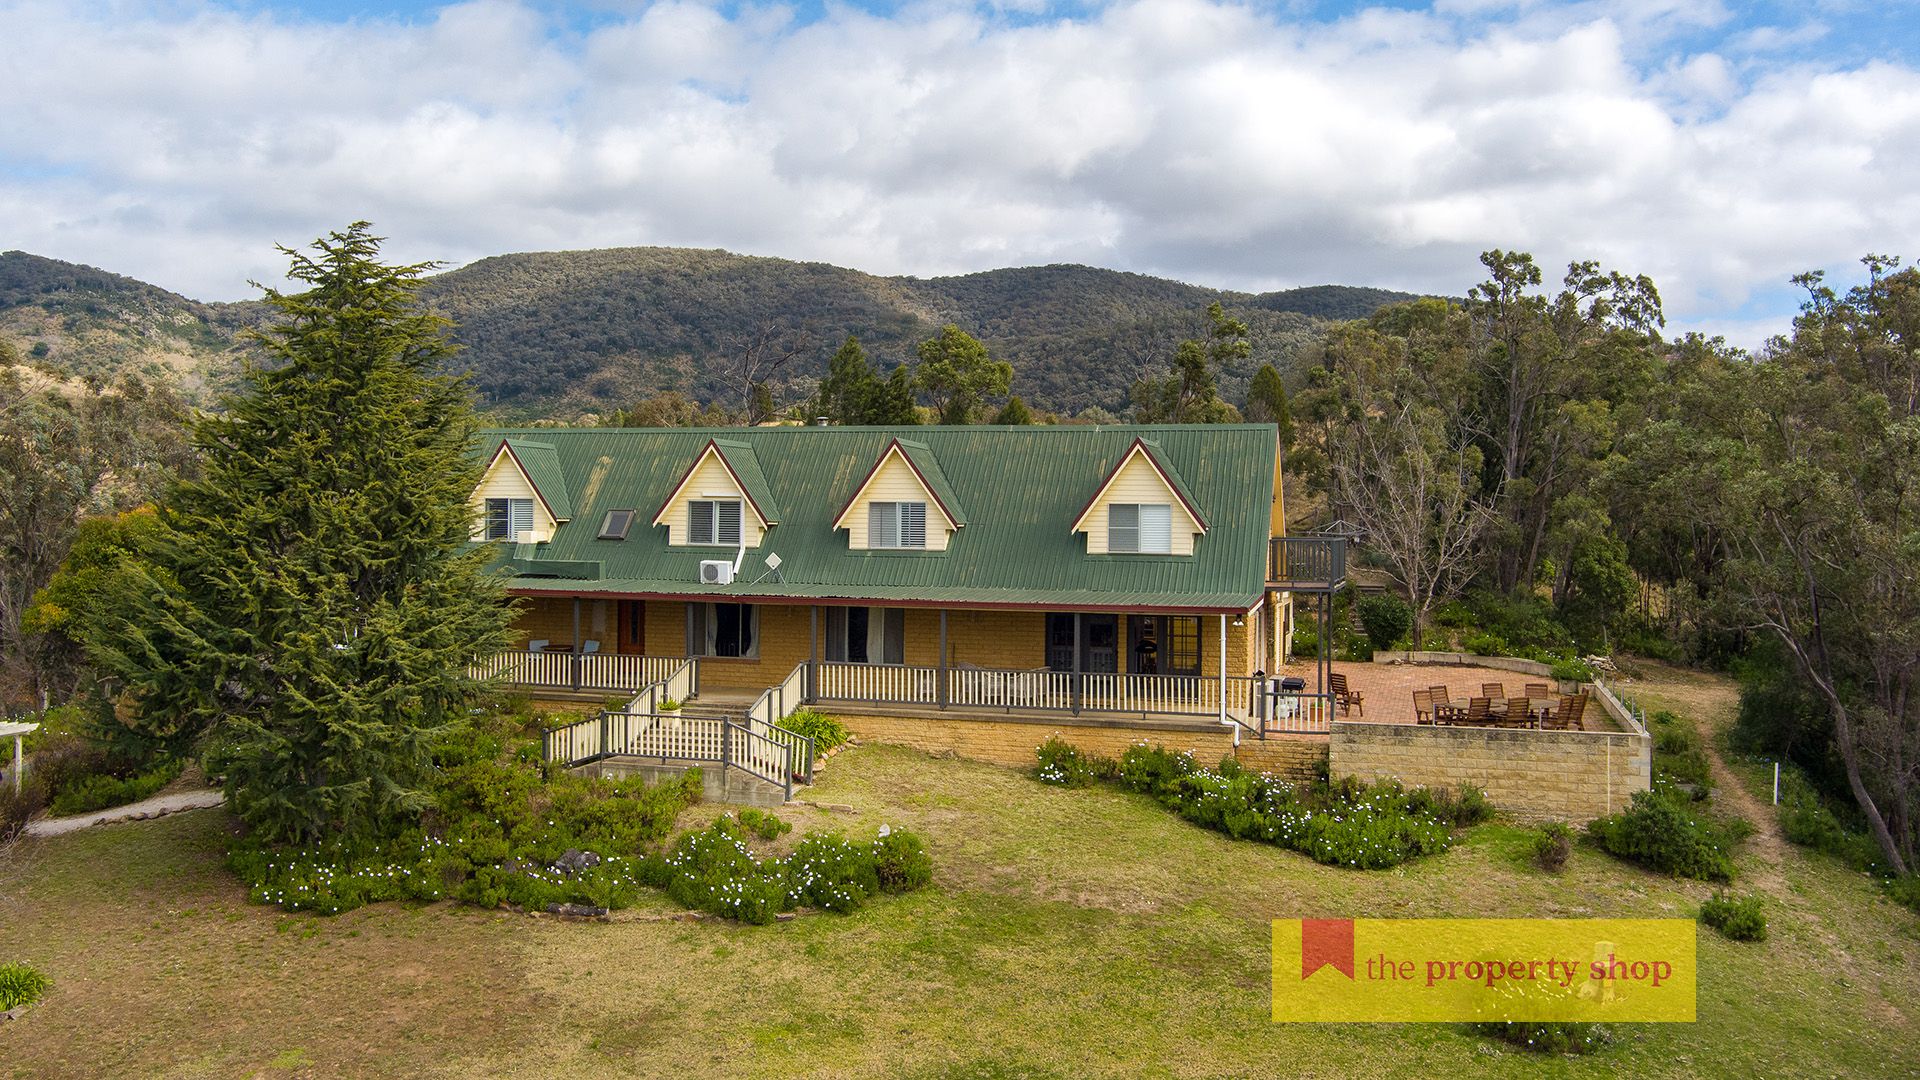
928, 466
746, 465
1172, 473
1022, 488
543, 470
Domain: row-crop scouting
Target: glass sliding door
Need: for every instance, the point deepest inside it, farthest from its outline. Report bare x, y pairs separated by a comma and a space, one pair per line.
863, 635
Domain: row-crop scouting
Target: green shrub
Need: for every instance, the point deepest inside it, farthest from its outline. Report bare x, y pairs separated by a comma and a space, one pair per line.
825, 731
85, 794
1152, 768
1547, 1036
1306, 640
765, 825
1679, 757
1662, 833
1740, 919
1061, 762
496, 834
21, 984
1905, 891
830, 872
1345, 824
1453, 614
712, 870
1553, 846
901, 862
1484, 644
1386, 617
1572, 670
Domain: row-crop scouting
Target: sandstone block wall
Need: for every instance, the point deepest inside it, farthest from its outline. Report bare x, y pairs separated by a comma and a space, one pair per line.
1536, 775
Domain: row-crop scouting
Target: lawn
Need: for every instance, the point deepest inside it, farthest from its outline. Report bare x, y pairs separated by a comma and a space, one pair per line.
1067, 934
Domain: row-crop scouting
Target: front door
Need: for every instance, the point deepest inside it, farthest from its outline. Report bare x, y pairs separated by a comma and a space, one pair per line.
1099, 642
632, 615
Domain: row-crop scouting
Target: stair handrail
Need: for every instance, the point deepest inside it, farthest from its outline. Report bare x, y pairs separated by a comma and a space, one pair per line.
776, 704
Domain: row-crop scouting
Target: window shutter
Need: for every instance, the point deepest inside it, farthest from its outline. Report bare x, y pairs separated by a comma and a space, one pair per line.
1123, 527
913, 524
728, 521
522, 517
700, 523
883, 525
1156, 529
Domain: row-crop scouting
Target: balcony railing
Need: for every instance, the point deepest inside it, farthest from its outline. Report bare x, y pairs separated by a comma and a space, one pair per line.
595, 671
1307, 563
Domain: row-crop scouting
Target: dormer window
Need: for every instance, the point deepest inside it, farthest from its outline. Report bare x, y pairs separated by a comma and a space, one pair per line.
616, 524
1140, 528
714, 522
897, 525
508, 519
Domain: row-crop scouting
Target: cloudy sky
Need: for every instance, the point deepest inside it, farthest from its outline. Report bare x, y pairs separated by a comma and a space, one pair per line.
1718, 147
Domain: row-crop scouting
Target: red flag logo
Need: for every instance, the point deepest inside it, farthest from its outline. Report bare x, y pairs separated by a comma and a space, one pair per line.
1326, 941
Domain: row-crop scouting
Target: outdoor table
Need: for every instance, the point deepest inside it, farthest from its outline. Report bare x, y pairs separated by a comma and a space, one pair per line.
1453, 711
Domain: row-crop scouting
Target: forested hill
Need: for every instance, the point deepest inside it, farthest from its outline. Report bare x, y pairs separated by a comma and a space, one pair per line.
562, 333
88, 323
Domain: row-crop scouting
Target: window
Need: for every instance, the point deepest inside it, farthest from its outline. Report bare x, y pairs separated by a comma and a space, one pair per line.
723, 630
1142, 528
616, 524
1163, 644
714, 521
897, 525
860, 635
508, 518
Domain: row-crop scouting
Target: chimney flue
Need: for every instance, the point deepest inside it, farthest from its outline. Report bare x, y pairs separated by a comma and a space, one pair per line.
819, 421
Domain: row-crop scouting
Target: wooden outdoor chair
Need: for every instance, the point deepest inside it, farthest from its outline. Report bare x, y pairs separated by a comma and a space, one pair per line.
1344, 697
1479, 712
1561, 719
1579, 710
1422, 707
1539, 690
1520, 712
1440, 693
1493, 690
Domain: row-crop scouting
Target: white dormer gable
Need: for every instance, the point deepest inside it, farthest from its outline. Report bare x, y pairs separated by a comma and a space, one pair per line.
710, 480
895, 480
1139, 481
505, 478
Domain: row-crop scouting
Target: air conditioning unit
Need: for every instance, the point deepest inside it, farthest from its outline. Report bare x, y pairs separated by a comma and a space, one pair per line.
716, 572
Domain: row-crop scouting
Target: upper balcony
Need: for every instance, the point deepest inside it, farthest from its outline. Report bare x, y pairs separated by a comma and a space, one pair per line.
1307, 563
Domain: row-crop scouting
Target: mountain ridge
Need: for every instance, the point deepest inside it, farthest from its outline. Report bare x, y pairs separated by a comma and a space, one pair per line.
571, 333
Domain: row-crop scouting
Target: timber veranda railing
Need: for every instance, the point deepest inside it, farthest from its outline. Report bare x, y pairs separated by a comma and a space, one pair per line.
591, 671
1258, 704
653, 726
1307, 563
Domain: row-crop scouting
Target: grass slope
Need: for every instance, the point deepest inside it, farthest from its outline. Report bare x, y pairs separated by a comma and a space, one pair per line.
1068, 933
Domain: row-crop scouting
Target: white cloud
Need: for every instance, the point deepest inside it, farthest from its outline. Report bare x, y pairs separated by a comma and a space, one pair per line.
1207, 141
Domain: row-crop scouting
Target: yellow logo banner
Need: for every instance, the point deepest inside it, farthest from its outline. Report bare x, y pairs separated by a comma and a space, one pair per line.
1383, 970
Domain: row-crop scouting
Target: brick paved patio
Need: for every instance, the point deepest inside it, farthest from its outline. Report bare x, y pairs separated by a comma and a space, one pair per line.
1388, 688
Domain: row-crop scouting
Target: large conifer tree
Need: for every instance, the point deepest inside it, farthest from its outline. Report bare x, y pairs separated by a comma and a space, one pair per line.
320, 614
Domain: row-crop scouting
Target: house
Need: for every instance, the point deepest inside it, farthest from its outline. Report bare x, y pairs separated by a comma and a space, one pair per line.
938, 572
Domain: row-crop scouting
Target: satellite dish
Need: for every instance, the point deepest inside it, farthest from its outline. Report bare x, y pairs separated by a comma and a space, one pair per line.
773, 560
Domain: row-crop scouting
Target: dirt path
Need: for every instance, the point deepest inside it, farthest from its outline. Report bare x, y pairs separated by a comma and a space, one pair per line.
1712, 702
160, 805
